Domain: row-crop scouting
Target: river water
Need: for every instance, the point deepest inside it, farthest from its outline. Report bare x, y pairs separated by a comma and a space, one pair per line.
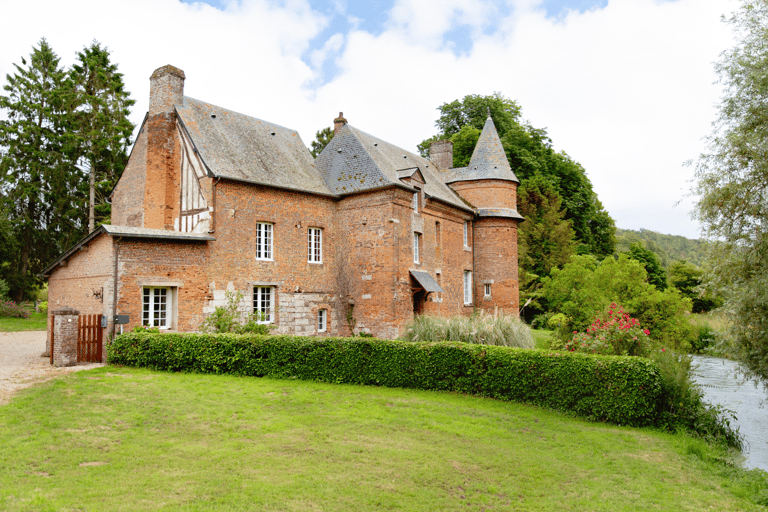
723, 385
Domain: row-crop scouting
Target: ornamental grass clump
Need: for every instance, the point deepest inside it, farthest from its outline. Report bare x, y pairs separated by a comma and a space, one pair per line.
481, 328
615, 333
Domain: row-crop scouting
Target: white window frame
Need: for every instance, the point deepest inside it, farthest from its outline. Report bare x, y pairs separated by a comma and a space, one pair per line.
416, 243
487, 289
322, 320
264, 303
466, 234
315, 245
467, 287
157, 306
264, 241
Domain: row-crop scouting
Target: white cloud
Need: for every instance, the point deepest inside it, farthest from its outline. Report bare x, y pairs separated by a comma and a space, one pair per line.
627, 90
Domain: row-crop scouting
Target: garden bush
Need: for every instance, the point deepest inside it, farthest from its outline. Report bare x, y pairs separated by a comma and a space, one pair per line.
13, 310
621, 390
582, 289
230, 318
480, 327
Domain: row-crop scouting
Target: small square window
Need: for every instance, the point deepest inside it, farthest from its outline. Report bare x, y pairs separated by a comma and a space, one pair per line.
315, 245
322, 320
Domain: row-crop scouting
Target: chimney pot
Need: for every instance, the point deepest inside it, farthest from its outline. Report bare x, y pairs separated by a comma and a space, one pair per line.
339, 123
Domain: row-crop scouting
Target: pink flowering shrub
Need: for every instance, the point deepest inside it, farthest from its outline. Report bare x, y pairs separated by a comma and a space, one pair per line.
615, 333
13, 310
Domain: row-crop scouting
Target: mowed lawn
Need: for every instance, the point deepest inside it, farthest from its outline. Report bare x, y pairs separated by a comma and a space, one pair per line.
131, 439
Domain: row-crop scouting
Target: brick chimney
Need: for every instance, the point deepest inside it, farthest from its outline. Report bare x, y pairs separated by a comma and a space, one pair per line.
339, 123
441, 153
166, 89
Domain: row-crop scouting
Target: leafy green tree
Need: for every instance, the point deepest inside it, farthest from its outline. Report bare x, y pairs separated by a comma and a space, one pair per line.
732, 184
322, 138
36, 176
101, 128
545, 239
530, 153
688, 279
657, 276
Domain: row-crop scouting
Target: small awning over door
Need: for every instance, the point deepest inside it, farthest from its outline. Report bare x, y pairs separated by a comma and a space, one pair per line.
426, 281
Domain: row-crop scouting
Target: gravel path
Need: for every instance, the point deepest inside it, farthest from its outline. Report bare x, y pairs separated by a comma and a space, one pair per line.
21, 364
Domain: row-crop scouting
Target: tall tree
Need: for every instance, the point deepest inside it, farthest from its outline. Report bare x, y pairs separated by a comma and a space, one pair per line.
732, 183
101, 129
657, 275
530, 153
545, 239
36, 177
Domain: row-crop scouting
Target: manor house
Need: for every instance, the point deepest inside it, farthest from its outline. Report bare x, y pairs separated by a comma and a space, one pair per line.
359, 239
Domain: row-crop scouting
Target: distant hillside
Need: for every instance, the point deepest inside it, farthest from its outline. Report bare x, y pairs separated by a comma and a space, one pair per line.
668, 247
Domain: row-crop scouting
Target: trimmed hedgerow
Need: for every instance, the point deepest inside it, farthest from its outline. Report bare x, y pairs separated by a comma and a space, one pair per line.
621, 390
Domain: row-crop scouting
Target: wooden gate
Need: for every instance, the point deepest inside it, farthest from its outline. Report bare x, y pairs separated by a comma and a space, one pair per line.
89, 338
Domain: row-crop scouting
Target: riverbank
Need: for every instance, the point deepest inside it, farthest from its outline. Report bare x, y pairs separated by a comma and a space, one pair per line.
723, 385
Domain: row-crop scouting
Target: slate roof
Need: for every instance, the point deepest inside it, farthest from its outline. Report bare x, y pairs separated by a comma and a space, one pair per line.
488, 162
355, 161
245, 148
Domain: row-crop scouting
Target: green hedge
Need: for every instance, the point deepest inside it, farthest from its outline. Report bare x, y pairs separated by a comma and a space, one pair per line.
622, 390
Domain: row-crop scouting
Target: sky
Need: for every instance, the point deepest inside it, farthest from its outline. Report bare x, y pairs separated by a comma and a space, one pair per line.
626, 87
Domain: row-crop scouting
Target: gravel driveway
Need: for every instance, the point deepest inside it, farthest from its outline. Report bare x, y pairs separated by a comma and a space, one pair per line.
22, 366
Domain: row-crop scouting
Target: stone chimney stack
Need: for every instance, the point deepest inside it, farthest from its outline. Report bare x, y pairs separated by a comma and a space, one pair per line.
166, 89
339, 123
441, 153
161, 188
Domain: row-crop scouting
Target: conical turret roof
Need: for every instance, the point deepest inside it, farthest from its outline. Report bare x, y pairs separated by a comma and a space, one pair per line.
488, 162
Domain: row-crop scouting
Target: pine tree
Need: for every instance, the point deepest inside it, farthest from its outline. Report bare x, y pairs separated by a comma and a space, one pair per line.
100, 126
36, 177
545, 240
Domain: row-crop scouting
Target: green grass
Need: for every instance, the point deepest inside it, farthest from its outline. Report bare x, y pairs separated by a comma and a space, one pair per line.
542, 338
132, 439
35, 322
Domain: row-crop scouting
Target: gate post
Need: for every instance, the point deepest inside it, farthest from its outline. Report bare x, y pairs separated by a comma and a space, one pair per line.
64, 350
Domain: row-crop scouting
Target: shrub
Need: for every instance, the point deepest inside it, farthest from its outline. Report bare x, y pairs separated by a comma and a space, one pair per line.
680, 405
480, 327
621, 390
614, 333
582, 288
42, 307
11, 309
229, 318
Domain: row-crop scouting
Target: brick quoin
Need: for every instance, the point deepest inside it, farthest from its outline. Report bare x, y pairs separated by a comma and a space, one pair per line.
368, 226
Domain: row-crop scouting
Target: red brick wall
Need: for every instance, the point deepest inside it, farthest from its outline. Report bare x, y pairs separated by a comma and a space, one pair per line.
179, 265
128, 197
488, 193
496, 264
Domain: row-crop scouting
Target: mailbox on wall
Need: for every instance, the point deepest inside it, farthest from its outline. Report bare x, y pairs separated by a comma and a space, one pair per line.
121, 319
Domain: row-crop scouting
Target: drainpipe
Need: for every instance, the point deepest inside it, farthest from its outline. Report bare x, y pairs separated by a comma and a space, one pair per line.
215, 211
114, 288
474, 274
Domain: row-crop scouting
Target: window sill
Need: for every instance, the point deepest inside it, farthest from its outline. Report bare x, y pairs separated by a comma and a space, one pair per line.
467, 248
